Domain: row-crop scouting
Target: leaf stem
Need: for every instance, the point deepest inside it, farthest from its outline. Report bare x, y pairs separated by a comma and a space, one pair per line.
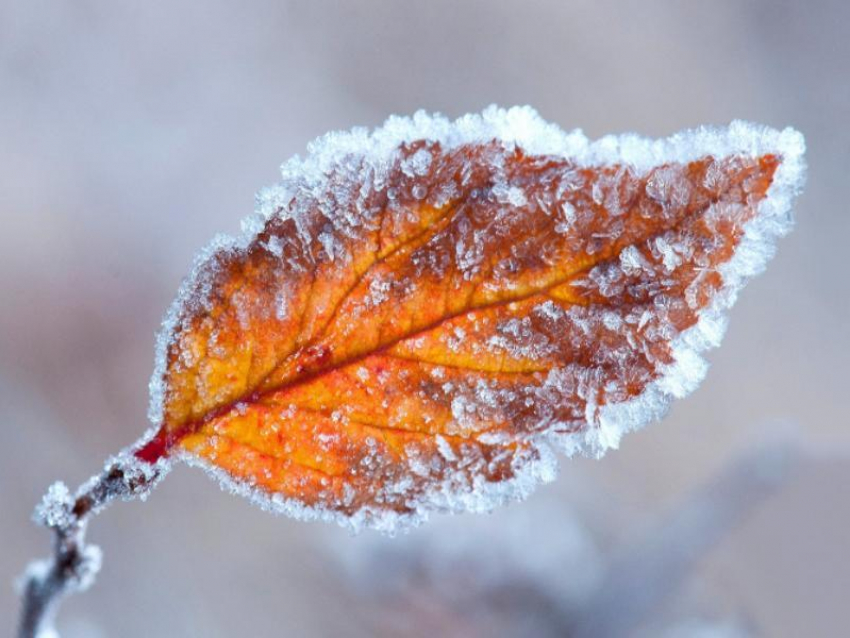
74, 564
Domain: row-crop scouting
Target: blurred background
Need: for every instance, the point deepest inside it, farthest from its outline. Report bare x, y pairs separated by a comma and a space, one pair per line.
131, 133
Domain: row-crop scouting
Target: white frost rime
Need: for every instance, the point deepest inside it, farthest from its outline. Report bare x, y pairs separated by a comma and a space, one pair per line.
494, 388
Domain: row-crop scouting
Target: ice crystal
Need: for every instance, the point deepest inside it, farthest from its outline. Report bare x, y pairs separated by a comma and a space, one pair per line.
350, 183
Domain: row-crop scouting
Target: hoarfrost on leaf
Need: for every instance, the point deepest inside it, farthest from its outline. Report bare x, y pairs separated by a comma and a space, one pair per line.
417, 316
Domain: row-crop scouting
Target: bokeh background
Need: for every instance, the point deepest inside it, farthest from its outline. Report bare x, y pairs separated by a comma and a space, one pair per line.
131, 133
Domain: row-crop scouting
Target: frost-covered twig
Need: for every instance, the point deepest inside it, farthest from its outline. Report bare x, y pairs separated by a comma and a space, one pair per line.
74, 564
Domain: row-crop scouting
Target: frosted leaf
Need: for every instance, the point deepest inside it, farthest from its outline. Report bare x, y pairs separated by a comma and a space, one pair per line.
416, 316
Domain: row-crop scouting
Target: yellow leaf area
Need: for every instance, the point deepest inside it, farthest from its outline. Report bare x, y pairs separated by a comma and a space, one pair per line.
383, 340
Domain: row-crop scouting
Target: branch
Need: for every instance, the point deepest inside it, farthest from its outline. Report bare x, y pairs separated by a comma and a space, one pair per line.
74, 564
646, 572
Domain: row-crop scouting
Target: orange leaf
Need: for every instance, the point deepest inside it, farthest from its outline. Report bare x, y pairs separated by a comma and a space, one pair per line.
417, 315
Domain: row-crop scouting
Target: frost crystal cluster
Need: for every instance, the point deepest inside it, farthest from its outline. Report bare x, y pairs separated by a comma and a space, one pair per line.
417, 317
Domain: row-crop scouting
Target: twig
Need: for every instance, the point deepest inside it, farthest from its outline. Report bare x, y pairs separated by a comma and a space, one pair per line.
74, 564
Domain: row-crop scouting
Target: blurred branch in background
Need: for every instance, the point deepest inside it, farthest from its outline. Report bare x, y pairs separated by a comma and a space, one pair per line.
641, 576
495, 579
